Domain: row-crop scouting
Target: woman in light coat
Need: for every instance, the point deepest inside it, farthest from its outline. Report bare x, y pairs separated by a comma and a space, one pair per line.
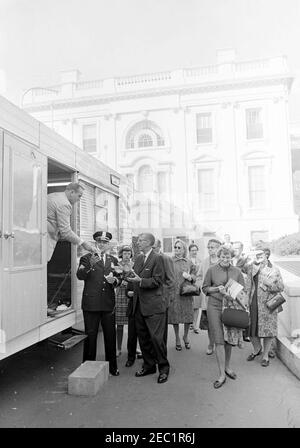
262, 283
181, 307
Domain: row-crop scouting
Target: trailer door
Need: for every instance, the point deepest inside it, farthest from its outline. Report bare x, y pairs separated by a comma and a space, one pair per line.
24, 237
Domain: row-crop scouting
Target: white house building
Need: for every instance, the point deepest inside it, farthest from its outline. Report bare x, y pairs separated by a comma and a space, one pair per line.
207, 148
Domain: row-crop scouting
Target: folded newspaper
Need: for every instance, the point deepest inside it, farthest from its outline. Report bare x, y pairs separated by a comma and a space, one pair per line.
233, 288
236, 291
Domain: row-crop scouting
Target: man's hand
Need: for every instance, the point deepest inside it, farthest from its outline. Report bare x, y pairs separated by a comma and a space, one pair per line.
130, 293
187, 276
94, 259
135, 279
88, 247
110, 278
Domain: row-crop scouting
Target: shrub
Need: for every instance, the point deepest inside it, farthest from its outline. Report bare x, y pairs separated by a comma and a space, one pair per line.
287, 245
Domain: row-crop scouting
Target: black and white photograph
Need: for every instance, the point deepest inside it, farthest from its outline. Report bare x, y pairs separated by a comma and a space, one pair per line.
149, 217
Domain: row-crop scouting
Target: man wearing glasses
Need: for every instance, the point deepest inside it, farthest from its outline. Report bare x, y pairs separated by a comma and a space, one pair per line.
149, 308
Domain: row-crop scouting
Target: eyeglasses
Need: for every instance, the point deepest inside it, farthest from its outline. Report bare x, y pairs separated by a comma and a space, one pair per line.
210, 247
177, 247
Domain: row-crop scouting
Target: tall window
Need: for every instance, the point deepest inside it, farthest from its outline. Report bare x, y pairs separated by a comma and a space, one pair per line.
206, 189
257, 186
89, 137
145, 179
204, 128
254, 123
162, 182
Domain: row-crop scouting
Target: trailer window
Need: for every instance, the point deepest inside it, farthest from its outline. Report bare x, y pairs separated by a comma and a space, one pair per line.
27, 188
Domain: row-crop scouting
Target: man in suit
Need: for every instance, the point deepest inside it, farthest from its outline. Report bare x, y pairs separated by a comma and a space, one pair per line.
168, 281
59, 210
149, 309
98, 300
239, 259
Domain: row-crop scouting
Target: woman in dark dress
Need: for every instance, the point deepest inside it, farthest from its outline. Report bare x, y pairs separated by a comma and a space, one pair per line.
214, 287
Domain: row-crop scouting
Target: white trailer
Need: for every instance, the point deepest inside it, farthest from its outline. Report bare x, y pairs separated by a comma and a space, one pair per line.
34, 161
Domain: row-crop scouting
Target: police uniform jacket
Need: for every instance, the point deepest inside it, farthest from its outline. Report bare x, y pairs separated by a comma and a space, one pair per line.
98, 294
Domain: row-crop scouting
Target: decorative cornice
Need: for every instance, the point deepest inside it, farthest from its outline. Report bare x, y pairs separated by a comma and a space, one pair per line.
162, 91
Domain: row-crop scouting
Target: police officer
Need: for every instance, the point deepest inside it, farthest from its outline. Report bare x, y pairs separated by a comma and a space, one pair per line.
98, 300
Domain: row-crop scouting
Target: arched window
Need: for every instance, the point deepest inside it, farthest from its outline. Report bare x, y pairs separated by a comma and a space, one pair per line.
144, 134
145, 179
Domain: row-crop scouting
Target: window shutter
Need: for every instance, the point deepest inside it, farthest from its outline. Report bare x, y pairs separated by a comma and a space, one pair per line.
87, 212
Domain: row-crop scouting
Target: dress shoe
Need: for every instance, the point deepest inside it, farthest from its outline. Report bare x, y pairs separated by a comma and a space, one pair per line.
253, 355
218, 384
129, 363
162, 378
231, 375
114, 372
144, 372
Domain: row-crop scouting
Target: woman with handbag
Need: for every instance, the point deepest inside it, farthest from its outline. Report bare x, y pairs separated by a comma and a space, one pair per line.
181, 306
263, 283
213, 286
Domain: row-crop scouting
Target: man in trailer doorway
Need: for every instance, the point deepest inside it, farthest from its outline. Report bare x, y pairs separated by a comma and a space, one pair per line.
98, 300
59, 210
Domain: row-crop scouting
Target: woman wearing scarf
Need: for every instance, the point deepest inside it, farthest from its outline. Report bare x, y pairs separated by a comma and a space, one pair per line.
214, 287
181, 307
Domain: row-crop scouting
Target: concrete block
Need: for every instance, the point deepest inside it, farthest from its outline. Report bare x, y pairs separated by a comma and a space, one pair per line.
88, 378
287, 356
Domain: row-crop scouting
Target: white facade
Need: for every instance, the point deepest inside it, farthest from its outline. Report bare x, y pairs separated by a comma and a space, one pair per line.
207, 148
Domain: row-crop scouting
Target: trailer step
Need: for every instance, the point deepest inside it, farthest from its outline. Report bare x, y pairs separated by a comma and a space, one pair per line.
67, 341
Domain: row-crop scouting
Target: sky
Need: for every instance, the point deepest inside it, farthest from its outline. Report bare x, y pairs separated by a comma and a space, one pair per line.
108, 38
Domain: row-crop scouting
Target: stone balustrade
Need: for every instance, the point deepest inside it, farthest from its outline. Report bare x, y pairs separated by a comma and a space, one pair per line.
181, 77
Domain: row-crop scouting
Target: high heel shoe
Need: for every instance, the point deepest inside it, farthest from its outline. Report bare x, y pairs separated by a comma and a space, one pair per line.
187, 344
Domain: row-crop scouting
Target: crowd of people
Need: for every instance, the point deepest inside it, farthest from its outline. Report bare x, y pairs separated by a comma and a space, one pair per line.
152, 290
146, 294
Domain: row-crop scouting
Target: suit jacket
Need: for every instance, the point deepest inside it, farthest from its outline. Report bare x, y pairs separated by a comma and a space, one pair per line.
150, 291
98, 294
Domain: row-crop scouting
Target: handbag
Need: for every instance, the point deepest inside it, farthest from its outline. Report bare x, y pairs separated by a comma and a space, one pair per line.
188, 289
274, 302
232, 317
203, 324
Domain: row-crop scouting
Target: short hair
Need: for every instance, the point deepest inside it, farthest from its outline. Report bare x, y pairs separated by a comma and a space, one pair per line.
215, 241
193, 245
149, 237
267, 249
184, 246
240, 243
157, 242
226, 251
74, 186
125, 248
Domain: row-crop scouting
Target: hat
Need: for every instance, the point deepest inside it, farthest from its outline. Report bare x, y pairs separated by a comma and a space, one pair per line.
104, 236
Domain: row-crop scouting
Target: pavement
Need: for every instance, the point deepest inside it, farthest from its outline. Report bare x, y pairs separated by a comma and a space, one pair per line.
33, 392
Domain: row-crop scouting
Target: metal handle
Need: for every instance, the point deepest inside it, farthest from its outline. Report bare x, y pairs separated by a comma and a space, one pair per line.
8, 235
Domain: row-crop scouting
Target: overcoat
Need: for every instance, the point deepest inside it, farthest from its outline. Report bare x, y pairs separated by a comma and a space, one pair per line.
267, 320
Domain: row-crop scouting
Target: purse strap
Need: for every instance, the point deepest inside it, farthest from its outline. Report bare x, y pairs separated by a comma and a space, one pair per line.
241, 304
